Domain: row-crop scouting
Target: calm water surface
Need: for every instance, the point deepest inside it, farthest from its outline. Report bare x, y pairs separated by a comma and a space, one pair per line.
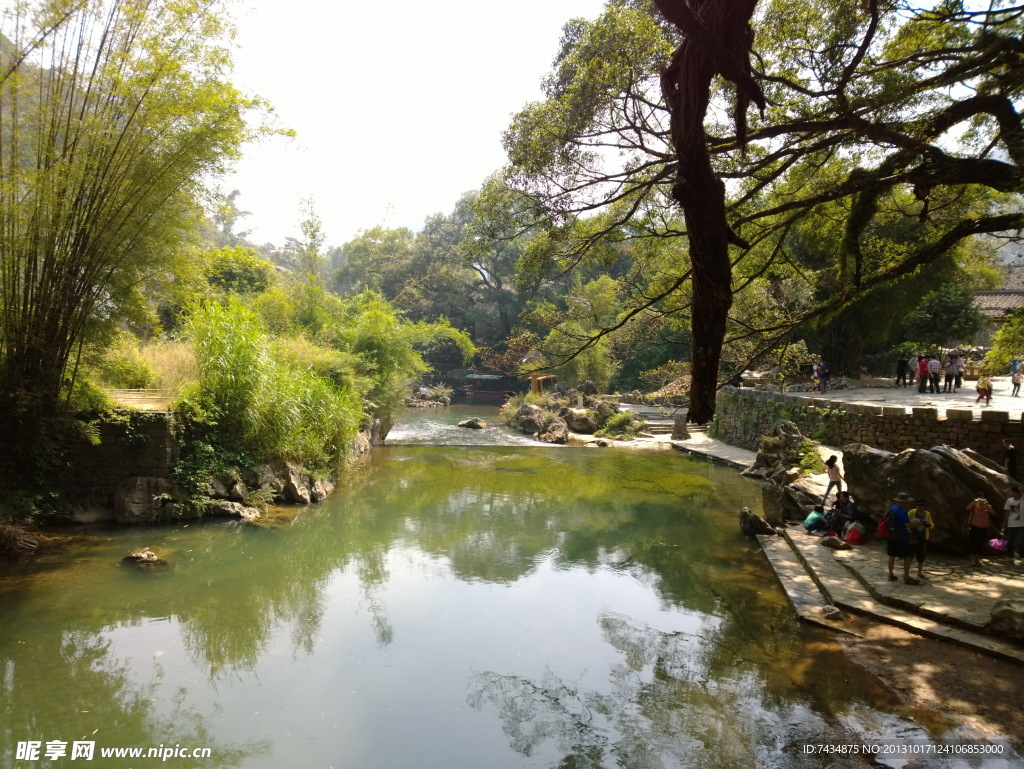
485, 606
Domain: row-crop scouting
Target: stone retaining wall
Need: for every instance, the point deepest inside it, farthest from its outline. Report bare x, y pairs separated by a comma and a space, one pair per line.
137, 444
743, 415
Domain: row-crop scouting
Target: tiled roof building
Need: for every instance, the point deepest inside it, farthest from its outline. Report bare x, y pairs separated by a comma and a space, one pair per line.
1008, 297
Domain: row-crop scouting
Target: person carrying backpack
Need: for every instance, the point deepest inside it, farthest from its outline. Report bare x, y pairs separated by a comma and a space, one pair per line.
901, 537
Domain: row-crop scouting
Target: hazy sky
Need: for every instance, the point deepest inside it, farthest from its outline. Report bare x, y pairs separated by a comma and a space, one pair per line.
398, 106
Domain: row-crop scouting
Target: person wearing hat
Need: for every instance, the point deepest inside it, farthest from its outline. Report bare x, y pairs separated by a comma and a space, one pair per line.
901, 541
921, 517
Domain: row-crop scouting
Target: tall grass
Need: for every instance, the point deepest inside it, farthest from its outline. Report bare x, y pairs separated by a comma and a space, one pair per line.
174, 363
124, 366
265, 401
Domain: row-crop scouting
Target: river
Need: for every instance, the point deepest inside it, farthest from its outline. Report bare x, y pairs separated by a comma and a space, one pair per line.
495, 604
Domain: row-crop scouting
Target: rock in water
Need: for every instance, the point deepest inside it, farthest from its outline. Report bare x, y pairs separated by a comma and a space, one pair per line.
751, 523
145, 557
555, 431
473, 423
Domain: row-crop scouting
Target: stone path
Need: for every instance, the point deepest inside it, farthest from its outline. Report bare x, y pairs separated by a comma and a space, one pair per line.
700, 444
953, 602
907, 397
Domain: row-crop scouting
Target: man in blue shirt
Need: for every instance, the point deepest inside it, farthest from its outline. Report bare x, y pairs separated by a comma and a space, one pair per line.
901, 541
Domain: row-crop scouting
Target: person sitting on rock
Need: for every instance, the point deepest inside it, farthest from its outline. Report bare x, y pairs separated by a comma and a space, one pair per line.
846, 512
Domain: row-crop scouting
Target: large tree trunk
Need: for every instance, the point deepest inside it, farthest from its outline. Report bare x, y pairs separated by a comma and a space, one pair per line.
717, 41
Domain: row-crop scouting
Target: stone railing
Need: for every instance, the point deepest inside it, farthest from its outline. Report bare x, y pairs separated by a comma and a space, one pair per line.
743, 415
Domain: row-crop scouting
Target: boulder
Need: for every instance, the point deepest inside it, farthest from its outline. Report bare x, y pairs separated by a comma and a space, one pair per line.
832, 613
219, 487
787, 503
144, 557
562, 387
948, 478
530, 418
555, 431
588, 388
1008, 619
835, 543
320, 489
751, 523
580, 420
232, 509
294, 485
266, 478
143, 499
473, 423
780, 449
90, 512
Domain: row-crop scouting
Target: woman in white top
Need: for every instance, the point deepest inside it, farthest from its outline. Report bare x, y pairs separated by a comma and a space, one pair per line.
834, 477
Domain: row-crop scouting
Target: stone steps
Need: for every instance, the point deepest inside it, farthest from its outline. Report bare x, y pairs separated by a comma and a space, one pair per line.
843, 585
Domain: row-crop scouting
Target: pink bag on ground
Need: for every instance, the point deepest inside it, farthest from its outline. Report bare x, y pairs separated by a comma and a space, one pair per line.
998, 544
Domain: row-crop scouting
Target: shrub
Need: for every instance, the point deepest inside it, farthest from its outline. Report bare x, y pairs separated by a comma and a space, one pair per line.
123, 366
440, 392
623, 426
510, 409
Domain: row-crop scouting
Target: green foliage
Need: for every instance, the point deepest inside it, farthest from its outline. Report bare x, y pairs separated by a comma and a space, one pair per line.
1007, 342
623, 426
264, 404
439, 392
510, 409
123, 365
89, 211
239, 270
845, 232
810, 458
945, 317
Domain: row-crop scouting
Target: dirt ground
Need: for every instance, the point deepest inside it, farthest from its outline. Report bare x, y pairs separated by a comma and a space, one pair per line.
966, 687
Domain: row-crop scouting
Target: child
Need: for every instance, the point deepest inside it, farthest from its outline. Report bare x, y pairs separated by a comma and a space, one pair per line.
921, 516
984, 389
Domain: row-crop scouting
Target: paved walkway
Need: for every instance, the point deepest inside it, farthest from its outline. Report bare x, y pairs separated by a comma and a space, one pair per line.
909, 397
953, 603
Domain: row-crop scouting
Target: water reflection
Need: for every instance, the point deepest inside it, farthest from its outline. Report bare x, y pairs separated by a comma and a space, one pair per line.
73, 685
599, 606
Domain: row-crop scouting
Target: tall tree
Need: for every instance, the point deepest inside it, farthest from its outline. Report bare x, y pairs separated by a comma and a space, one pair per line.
873, 113
111, 114
717, 39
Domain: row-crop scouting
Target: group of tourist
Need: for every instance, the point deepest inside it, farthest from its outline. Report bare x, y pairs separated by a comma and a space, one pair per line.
932, 374
908, 523
935, 376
